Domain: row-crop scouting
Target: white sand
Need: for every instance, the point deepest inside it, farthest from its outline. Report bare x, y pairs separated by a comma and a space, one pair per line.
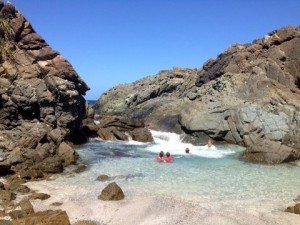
82, 204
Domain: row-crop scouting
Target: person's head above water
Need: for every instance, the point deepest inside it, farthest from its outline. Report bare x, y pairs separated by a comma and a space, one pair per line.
168, 154
187, 150
209, 143
161, 154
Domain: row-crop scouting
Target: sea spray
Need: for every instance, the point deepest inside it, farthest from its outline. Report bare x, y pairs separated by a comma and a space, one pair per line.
172, 142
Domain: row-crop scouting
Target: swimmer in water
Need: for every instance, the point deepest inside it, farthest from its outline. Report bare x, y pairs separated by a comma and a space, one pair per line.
168, 158
187, 150
160, 157
210, 145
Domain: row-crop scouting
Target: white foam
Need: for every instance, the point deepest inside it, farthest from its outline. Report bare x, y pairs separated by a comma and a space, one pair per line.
172, 142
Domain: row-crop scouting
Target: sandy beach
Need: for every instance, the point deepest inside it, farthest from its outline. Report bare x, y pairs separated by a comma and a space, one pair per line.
160, 210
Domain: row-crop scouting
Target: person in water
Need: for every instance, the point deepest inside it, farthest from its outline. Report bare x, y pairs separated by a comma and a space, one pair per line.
160, 157
187, 150
168, 158
210, 145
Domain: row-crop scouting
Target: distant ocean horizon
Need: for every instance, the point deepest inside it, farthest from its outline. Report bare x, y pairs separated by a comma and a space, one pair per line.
92, 102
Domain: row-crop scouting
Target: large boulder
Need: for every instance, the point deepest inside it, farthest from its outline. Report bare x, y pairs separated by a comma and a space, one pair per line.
112, 192
41, 95
249, 95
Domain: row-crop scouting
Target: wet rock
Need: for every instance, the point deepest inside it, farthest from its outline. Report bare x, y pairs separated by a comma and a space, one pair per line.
47, 217
81, 168
141, 135
103, 177
112, 192
40, 196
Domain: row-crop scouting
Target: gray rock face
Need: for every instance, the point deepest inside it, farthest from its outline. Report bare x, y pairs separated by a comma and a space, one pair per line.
157, 100
248, 95
41, 95
117, 128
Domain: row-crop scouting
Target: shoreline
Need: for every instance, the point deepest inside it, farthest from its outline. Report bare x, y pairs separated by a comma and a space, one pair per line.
155, 209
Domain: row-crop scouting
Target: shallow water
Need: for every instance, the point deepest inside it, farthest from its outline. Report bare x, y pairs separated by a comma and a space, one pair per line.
218, 175
216, 180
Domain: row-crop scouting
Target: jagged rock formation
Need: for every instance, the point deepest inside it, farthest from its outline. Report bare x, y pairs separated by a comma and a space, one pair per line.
157, 99
116, 128
41, 99
249, 95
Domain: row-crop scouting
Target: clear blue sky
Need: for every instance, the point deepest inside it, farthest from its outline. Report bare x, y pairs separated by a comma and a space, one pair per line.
117, 41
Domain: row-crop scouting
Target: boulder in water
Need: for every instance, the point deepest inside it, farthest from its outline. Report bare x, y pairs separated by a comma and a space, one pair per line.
103, 177
81, 168
111, 192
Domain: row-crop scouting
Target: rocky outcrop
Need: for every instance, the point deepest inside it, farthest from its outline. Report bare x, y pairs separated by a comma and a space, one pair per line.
117, 128
249, 95
157, 100
41, 98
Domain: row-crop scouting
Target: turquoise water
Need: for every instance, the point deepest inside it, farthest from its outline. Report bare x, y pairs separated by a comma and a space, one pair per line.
225, 177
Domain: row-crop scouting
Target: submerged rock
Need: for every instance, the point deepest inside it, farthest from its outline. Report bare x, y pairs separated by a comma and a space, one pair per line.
249, 95
103, 177
112, 192
81, 168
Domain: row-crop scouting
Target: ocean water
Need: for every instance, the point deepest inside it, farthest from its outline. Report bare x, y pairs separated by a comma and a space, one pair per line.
216, 179
92, 102
215, 174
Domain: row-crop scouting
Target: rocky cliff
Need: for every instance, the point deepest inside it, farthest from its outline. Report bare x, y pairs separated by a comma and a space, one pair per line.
248, 95
41, 100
